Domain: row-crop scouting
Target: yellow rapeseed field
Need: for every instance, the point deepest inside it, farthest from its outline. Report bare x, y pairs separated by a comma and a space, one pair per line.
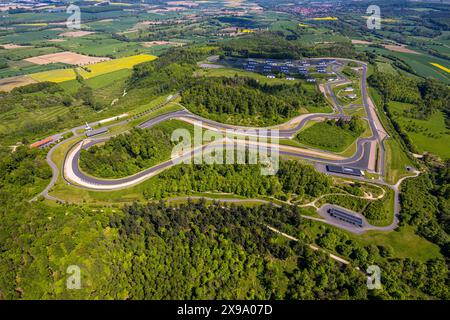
32, 24
60, 75
100, 68
92, 70
437, 65
325, 19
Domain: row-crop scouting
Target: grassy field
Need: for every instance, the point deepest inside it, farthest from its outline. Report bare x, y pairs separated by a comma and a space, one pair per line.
386, 67
396, 161
325, 136
428, 135
107, 79
403, 242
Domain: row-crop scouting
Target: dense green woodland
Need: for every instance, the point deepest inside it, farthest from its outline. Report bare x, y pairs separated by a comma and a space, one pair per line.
275, 46
292, 179
22, 173
127, 154
264, 104
193, 251
426, 204
170, 72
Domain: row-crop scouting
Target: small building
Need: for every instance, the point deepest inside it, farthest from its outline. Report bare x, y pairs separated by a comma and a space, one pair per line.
96, 132
346, 217
345, 170
270, 76
351, 96
349, 89
42, 143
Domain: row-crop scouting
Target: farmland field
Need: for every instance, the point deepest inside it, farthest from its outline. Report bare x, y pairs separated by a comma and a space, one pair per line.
421, 64
65, 57
26, 52
94, 69
18, 68
100, 45
60, 75
114, 65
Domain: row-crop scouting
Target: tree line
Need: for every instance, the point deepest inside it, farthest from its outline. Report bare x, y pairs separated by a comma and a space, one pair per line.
292, 178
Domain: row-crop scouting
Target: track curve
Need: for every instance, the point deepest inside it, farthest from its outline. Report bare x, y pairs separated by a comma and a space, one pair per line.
73, 174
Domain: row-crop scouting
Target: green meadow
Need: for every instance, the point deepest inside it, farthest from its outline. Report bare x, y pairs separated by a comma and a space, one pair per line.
428, 135
326, 136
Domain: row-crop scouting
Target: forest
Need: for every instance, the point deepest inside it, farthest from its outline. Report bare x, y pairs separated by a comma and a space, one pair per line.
171, 72
425, 205
127, 154
22, 173
275, 45
194, 251
247, 97
292, 179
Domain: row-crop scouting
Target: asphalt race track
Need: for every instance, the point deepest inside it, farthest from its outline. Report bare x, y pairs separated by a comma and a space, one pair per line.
359, 160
